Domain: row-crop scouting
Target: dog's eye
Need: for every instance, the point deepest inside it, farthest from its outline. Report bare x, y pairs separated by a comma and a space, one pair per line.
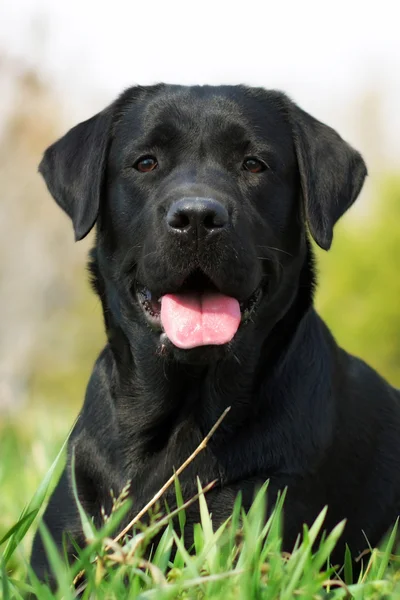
146, 164
253, 165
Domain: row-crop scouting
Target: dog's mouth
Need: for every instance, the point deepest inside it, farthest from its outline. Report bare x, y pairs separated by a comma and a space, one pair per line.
198, 314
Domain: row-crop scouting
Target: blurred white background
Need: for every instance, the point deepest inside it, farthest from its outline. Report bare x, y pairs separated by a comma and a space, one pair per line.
327, 56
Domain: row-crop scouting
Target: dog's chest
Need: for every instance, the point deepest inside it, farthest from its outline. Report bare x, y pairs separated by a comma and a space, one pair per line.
151, 472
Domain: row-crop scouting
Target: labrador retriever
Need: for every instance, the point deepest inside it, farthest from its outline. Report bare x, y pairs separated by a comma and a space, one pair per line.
203, 198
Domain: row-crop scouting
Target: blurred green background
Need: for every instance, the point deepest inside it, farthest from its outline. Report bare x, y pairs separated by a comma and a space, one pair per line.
359, 281
51, 326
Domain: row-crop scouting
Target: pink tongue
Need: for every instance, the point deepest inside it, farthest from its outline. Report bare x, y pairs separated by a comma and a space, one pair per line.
191, 319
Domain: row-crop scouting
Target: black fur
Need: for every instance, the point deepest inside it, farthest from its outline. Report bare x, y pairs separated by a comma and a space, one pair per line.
305, 414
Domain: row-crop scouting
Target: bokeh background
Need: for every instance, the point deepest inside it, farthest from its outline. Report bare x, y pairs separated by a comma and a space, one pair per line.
62, 62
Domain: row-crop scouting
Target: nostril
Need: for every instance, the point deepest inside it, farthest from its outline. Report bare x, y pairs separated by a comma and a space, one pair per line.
215, 219
178, 220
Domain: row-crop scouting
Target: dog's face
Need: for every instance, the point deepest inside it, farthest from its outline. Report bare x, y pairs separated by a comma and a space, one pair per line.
202, 200
201, 197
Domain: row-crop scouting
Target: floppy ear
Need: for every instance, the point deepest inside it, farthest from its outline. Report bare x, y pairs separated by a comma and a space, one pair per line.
74, 167
332, 174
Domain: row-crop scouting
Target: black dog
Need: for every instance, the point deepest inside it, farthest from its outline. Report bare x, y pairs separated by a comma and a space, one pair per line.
201, 197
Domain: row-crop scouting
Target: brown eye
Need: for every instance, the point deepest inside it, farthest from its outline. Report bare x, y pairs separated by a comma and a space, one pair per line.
146, 164
253, 165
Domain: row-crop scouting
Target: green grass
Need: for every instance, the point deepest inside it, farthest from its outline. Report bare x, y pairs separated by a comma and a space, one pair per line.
242, 559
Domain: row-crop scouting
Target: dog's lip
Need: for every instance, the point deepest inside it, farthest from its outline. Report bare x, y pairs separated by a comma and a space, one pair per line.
151, 305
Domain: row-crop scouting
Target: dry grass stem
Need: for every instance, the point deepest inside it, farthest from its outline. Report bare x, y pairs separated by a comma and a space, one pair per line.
157, 496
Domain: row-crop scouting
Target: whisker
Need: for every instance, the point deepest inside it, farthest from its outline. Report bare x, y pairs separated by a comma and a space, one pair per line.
266, 258
274, 261
237, 359
276, 249
121, 267
148, 254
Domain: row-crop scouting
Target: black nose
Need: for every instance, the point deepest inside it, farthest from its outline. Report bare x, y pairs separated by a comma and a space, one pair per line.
197, 216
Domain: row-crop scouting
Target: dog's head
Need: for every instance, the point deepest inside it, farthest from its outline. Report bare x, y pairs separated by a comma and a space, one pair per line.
201, 197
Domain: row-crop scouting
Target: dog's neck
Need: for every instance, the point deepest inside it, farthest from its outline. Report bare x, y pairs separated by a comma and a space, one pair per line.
168, 391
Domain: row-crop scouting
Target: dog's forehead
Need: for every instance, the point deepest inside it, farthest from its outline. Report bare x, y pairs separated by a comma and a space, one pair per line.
192, 104
235, 110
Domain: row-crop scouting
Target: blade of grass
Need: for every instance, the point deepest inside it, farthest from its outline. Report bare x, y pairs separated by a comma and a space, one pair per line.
205, 517
385, 557
187, 558
14, 529
33, 507
179, 501
163, 551
4, 582
326, 547
58, 567
302, 554
88, 528
348, 566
